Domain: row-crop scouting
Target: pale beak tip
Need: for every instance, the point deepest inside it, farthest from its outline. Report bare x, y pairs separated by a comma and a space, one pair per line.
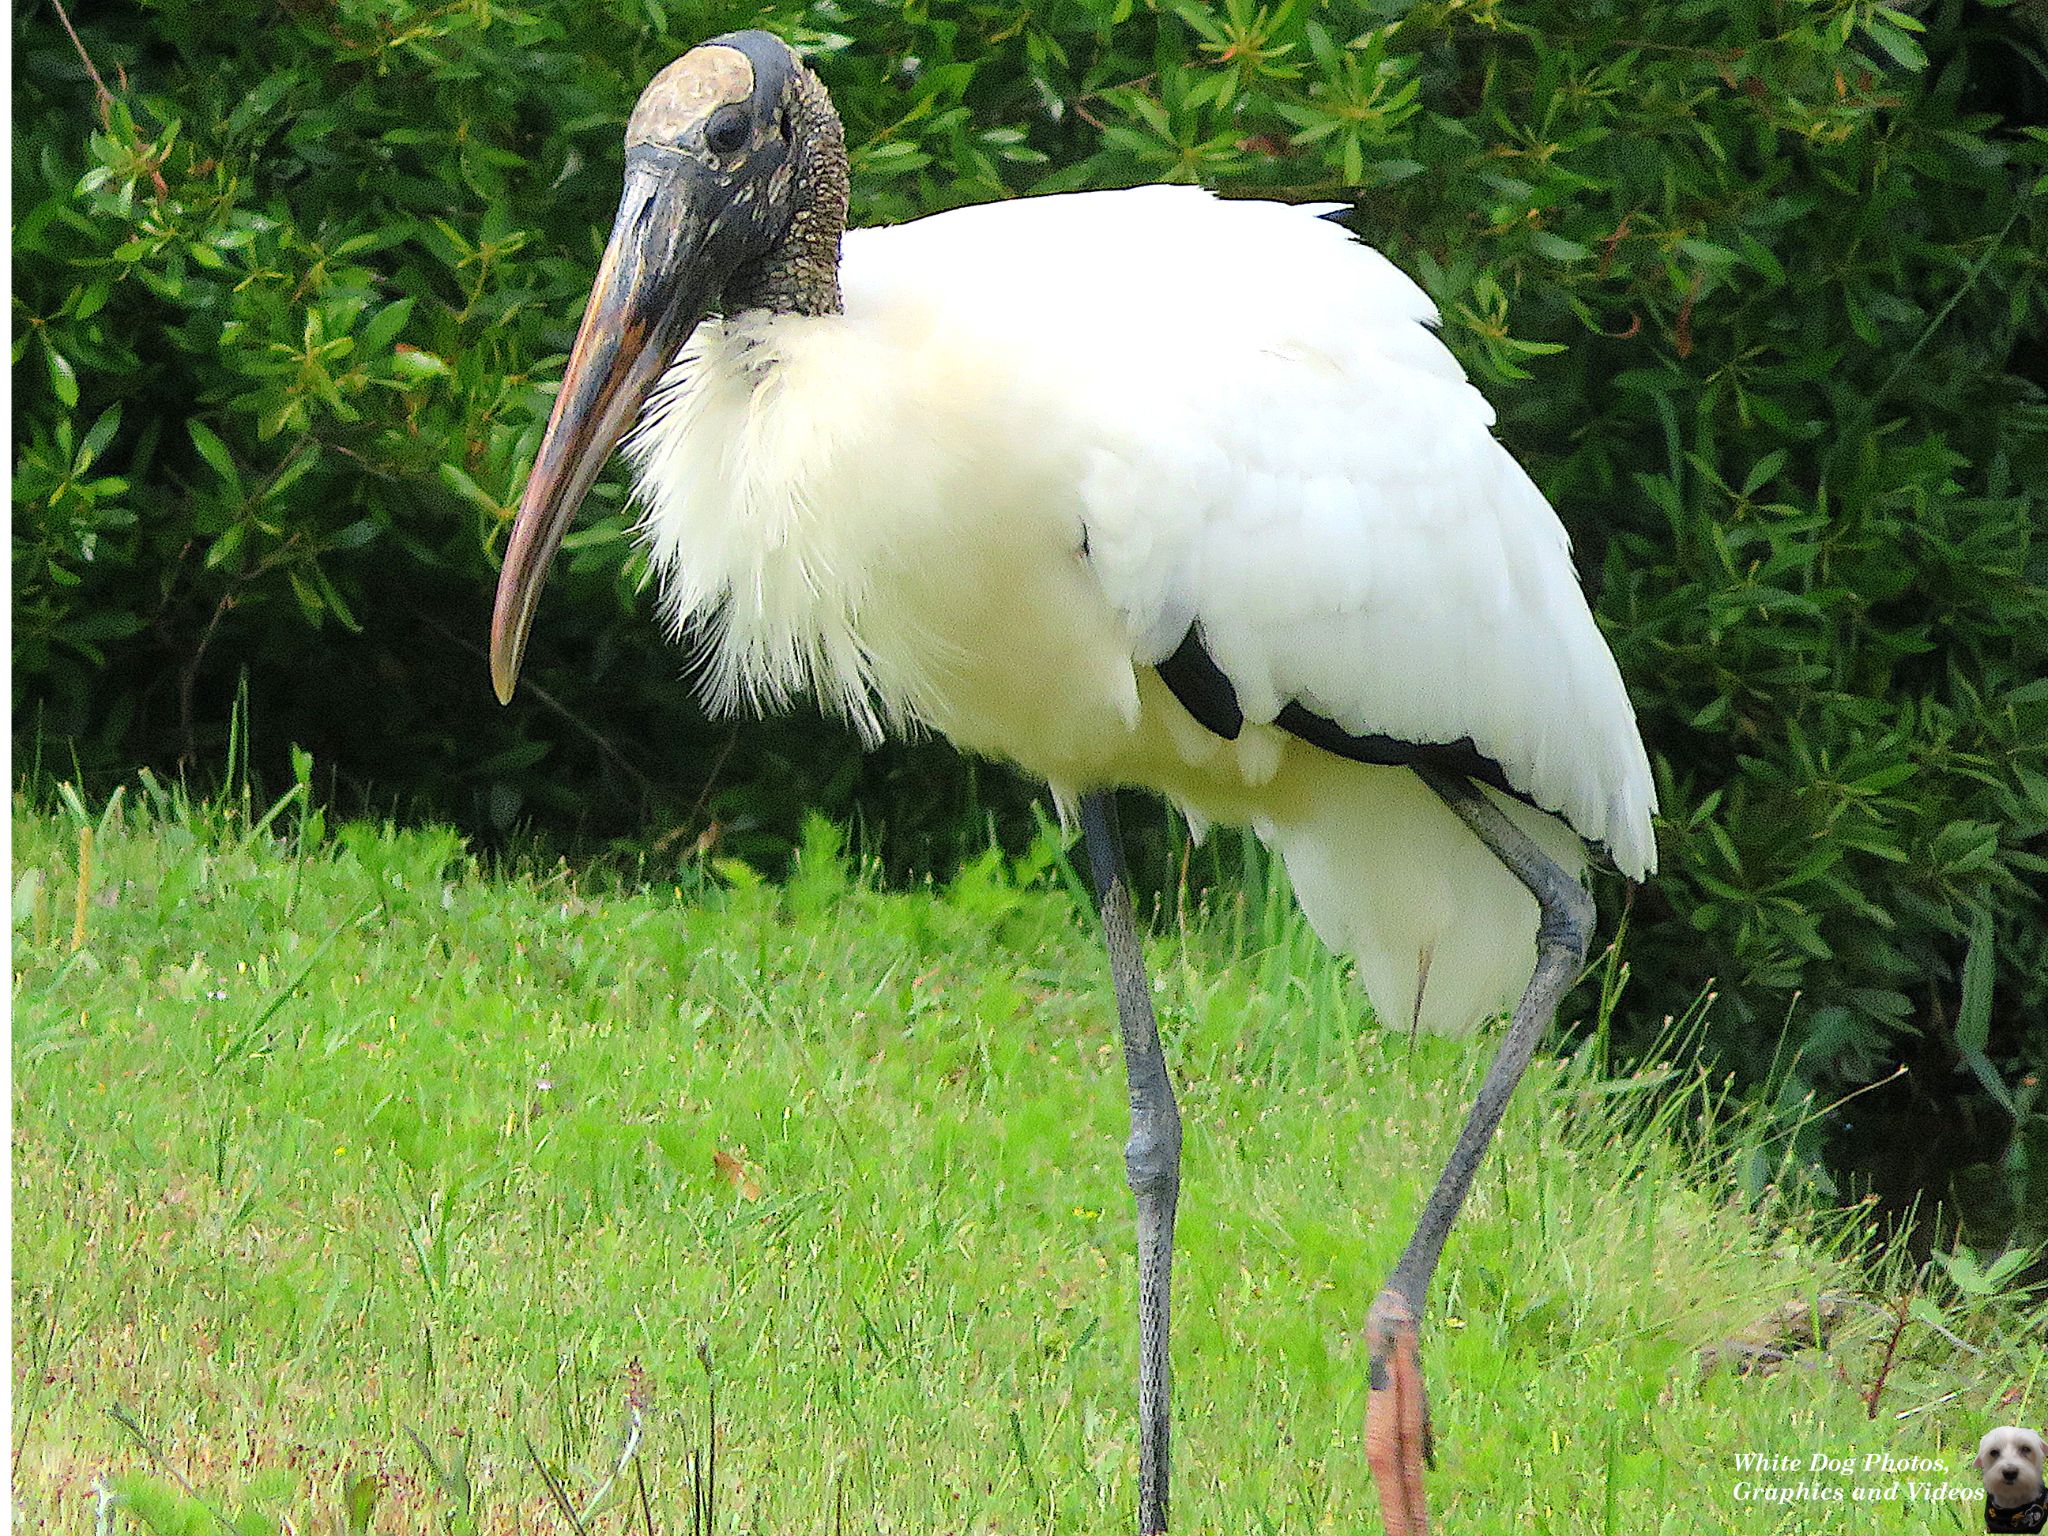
504, 677
505, 659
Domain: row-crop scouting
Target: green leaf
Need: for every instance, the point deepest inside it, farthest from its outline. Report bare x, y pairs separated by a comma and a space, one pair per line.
308, 596
418, 365
359, 1502
26, 890
1973, 1015
215, 452
1902, 48
336, 604
1762, 471
1556, 247
1708, 254
97, 439
1981, 1068
62, 378
458, 481
302, 463
227, 546
383, 330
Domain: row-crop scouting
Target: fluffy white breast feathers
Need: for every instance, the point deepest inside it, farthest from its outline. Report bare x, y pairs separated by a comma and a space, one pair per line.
1240, 410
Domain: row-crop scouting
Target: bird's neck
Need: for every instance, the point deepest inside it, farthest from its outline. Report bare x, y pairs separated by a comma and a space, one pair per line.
800, 275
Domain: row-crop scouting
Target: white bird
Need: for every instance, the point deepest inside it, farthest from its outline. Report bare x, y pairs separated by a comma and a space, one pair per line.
1137, 488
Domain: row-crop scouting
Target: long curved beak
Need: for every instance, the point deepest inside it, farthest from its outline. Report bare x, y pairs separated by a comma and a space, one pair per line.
649, 294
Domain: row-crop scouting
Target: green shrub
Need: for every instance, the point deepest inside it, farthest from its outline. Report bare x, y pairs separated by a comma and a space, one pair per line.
1759, 289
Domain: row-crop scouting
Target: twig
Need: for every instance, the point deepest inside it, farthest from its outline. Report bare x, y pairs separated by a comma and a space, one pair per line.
103, 96
646, 1508
126, 1420
1864, 411
1101, 95
596, 737
1891, 1349
590, 1505
704, 1464
1907, 1413
555, 1490
703, 795
188, 680
1943, 313
40, 1364
1870, 1306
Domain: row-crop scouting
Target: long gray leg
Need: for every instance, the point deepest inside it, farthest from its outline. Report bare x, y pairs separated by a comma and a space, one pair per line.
1397, 1421
1151, 1156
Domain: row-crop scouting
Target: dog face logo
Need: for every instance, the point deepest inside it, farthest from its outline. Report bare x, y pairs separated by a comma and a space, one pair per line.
2015, 1499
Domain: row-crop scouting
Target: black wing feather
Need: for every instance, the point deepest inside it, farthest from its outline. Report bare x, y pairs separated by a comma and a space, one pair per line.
1192, 676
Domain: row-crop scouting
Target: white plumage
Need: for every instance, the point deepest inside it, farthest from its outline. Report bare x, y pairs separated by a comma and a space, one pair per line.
1046, 436
1130, 488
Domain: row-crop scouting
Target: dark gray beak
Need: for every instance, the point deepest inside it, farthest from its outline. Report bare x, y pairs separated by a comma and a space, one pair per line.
650, 292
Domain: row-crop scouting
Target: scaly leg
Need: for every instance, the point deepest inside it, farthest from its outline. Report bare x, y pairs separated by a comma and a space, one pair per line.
1151, 1156
1397, 1434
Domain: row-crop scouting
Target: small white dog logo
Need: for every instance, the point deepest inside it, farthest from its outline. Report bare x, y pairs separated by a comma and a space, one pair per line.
2014, 1496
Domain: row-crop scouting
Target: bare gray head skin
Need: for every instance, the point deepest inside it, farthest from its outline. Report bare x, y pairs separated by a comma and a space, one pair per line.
735, 199
744, 115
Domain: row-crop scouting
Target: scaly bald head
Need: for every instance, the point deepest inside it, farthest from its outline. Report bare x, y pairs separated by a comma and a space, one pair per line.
688, 91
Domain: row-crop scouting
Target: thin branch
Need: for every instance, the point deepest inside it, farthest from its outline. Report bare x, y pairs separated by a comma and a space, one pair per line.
1864, 412
101, 94
584, 727
121, 1416
1891, 1350
41, 1365
188, 678
1888, 1314
556, 1491
1090, 118
591, 1504
703, 795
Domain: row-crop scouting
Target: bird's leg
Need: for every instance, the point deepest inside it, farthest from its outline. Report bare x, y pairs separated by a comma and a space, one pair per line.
1397, 1434
1151, 1156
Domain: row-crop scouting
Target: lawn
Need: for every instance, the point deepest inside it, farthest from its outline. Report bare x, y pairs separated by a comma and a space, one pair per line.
358, 1185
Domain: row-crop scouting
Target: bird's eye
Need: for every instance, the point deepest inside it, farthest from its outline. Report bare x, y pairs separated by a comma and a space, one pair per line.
727, 130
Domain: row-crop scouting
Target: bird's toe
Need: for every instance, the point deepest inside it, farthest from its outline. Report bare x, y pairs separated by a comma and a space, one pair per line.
1397, 1431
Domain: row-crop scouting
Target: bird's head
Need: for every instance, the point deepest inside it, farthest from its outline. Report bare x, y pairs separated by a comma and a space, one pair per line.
735, 197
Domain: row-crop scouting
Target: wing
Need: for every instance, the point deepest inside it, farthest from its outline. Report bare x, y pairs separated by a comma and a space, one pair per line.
1307, 488
1280, 460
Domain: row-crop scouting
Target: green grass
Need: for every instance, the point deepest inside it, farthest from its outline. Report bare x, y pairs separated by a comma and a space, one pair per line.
335, 1155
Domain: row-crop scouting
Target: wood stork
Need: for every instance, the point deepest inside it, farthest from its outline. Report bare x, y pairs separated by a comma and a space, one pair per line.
1131, 488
